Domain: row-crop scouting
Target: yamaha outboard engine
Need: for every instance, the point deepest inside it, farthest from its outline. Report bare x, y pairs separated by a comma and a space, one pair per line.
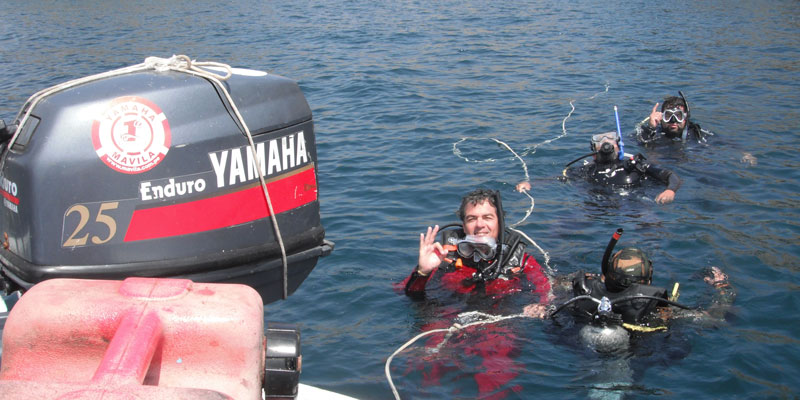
150, 173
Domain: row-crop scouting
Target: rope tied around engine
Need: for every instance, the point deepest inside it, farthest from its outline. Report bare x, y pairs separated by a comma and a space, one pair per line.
183, 64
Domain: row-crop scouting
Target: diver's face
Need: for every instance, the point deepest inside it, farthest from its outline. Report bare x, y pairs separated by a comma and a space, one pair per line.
605, 157
673, 127
481, 220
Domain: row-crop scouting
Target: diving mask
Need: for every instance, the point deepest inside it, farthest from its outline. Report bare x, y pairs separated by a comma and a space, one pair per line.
600, 138
477, 247
673, 113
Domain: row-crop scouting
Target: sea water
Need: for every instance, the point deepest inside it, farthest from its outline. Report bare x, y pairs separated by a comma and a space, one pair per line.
411, 101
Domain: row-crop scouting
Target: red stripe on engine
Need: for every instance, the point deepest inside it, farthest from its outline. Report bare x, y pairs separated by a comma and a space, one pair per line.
230, 209
10, 197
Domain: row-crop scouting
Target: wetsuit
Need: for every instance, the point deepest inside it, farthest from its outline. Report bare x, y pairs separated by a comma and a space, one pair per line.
494, 345
645, 134
517, 265
632, 312
630, 172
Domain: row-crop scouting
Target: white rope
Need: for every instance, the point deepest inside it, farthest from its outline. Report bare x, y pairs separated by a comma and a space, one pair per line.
179, 63
532, 150
550, 270
487, 319
527, 179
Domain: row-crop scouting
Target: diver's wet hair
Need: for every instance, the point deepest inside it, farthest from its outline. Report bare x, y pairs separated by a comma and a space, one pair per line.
476, 197
673, 102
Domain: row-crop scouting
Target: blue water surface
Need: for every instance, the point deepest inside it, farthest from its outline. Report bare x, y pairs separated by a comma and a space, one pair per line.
407, 97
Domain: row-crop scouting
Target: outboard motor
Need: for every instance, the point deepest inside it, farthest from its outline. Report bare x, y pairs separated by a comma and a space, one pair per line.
148, 172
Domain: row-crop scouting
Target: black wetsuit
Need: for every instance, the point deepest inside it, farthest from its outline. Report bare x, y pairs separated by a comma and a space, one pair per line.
629, 172
645, 134
634, 311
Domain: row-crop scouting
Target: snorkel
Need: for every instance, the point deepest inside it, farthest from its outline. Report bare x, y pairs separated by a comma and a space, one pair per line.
686, 103
619, 134
596, 151
494, 268
688, 114
609, 249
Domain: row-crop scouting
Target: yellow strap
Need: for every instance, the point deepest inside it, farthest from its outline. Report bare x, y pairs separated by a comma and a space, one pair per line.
675, 294
641, 328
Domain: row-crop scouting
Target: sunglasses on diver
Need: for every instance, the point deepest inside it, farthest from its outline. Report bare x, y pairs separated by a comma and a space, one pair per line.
467, 249
675, 113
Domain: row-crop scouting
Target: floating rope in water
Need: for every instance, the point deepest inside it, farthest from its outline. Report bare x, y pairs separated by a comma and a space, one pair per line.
477, 318
184, 64
531, 150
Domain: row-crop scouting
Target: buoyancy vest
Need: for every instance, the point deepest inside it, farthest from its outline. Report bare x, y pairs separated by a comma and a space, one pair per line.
625, 173
632, 311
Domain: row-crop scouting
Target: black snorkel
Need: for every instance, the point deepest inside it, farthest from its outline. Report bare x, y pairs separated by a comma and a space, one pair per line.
688, 114
686, 103
501, 227
492, 271
609, 249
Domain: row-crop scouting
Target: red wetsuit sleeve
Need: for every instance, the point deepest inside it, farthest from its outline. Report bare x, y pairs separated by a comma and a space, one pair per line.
415, 283
537, 276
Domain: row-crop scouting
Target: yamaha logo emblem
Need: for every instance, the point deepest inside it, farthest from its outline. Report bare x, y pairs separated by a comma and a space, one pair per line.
131, 136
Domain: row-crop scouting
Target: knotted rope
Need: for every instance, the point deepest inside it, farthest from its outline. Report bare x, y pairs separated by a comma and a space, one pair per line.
183, 64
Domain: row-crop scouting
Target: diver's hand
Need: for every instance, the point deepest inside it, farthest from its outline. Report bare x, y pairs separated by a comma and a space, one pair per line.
655, 116
537, 310
524, 186
665, 197
717, 278
431, 253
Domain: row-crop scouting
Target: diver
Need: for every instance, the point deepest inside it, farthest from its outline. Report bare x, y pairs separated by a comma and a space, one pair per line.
481, 253
483, 262
671, 124
617, 316
617, 169
622, 299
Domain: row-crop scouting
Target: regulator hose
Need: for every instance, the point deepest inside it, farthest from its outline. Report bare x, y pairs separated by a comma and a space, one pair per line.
579, 158
619, 300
